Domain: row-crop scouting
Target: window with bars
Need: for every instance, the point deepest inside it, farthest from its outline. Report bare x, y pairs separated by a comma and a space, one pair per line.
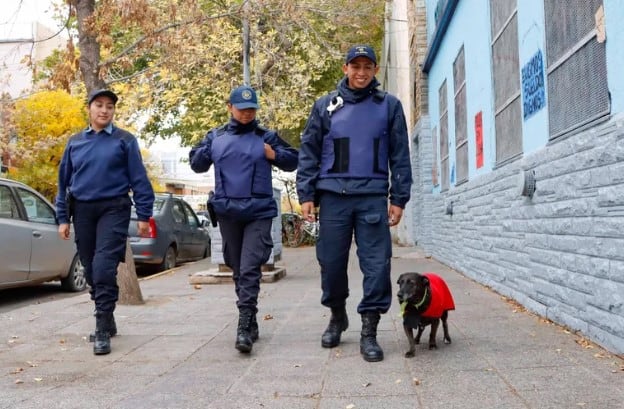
461, 120
506, 73
434, 166
444, 150
576, 65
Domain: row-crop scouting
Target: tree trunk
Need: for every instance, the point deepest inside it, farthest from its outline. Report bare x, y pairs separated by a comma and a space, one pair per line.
129, 289
89, 60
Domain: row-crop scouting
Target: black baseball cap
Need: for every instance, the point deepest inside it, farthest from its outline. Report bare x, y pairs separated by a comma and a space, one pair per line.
102, 92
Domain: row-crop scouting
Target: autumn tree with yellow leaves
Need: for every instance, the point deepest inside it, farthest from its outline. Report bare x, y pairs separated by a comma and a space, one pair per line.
41, 125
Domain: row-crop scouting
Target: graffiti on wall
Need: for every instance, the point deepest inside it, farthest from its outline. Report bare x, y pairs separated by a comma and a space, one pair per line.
479, 138
533, 93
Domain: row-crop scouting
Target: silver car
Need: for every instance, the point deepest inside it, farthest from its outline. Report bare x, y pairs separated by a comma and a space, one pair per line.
31, 251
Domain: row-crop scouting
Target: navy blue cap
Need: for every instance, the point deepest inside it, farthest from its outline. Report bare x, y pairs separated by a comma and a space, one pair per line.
244, 97
361, 51
102, 92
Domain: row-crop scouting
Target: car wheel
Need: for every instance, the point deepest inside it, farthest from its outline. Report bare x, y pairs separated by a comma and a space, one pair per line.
169, 261
75, 280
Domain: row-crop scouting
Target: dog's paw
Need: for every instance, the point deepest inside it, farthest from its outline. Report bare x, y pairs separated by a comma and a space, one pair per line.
447, 340
433, 346
409, 354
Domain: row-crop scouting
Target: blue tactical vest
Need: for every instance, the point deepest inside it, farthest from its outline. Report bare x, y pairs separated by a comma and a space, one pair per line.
241, 169
357, 143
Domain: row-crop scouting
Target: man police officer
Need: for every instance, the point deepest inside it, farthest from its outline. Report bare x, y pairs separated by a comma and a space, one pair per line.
354, 151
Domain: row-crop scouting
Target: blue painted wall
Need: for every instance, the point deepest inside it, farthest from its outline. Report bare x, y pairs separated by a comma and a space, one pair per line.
470, 27
614, 17
531, 39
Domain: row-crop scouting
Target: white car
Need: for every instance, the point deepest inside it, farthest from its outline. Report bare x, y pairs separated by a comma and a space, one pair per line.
31, 251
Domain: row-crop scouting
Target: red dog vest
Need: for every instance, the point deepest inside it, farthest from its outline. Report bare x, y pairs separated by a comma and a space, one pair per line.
441, 298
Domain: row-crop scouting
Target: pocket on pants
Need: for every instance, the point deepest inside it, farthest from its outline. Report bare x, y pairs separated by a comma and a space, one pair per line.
372, 218
267, 242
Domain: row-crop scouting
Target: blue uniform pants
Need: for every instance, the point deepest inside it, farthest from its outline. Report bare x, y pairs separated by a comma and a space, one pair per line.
365, 217
246, 247
101, 231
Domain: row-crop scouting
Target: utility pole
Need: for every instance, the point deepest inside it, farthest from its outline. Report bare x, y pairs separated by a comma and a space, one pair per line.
246, 76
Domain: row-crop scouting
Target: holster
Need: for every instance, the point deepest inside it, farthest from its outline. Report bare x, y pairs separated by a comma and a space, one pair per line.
70, 203
211, 211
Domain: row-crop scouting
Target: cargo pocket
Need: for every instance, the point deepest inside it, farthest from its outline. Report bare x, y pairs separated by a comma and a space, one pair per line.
267, 242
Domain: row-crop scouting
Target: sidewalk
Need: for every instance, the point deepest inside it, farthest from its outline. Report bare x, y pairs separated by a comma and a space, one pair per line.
177, 351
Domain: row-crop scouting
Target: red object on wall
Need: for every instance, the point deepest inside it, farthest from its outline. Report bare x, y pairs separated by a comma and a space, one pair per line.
479, 138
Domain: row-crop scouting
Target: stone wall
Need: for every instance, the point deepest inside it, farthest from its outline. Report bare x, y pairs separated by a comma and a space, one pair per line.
560, 253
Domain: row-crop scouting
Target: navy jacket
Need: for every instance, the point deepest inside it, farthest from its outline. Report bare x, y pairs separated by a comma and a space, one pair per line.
242, 173
103, 165
310, 153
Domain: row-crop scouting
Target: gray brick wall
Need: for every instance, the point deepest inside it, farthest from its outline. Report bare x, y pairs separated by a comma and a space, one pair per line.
561, 253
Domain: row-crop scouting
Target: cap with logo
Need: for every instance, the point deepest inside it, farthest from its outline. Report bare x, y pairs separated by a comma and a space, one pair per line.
361, 51
244, 97
102, 93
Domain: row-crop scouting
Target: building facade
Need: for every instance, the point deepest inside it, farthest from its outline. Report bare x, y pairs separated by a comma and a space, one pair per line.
518, 151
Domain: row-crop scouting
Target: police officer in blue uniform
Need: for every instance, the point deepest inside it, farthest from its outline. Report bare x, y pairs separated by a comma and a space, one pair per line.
242, 153
354, 154
100, 166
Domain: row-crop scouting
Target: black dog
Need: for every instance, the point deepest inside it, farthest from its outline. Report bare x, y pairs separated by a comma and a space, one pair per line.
425, 300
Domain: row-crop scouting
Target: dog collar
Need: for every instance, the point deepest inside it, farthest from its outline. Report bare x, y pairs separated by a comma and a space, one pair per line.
404, 304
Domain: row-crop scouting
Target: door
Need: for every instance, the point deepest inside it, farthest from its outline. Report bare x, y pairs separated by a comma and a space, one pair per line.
198, 234
51, 256
15, 240
182, 230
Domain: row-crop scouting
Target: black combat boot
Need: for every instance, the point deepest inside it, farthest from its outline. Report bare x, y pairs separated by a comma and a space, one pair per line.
253, 330
337, 324
369, 348
244, 341
102, 345
112, 325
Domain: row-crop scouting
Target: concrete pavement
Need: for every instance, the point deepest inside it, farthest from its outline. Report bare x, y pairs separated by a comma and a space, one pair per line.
177, 351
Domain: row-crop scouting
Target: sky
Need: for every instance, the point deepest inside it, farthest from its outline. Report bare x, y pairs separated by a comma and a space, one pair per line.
17, 15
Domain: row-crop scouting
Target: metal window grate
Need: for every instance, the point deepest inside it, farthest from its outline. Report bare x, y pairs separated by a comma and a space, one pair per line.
506, 78
434, 167
444, 151
461, 121
508, 131
578, 92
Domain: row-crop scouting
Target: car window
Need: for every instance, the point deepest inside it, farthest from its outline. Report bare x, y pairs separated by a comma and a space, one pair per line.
159, 203
190, 215
8, 207
37, 209
156, 208
177, 212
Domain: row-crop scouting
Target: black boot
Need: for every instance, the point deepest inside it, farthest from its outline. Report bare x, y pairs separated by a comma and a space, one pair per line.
253, 330
337, 324
112, 325
369, 348
244, 341
102, 345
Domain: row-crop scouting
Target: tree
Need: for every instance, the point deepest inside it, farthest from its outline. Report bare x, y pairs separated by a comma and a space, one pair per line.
176, 61
42, 123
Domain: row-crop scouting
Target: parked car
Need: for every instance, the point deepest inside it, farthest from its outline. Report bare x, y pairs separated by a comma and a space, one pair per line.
175, 235
31, 252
